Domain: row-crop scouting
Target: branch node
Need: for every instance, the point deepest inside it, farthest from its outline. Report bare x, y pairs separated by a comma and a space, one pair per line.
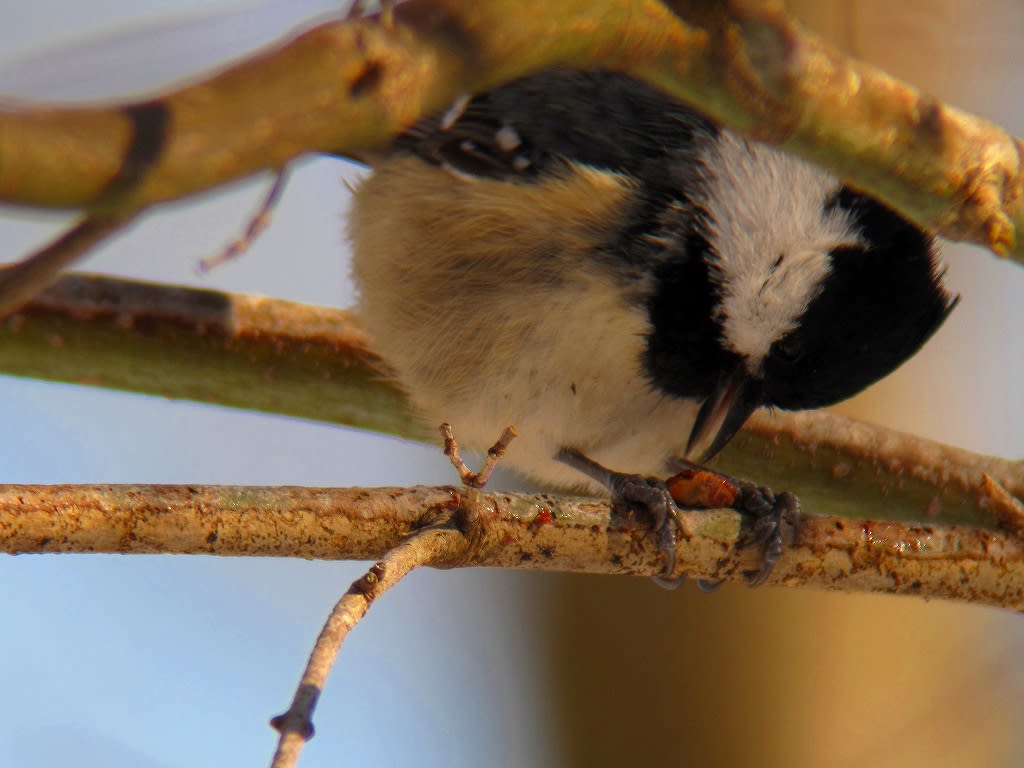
367, 585
297, 719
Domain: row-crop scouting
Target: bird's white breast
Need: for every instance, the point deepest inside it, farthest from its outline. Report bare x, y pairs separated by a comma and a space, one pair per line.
520, 328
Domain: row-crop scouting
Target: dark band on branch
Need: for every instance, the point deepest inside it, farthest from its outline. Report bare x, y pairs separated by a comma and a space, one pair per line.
149, 121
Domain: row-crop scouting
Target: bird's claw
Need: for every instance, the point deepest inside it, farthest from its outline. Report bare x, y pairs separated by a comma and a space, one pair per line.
763, 511
695, 487
769, 512
631, 491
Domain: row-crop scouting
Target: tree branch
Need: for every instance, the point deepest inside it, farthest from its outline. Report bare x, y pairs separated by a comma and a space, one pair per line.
348, 87
315, 363
433, 546
537, 532
345, 87
27, 278
242, 351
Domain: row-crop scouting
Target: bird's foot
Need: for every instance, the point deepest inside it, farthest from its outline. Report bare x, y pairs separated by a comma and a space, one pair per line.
632, 491
765, 513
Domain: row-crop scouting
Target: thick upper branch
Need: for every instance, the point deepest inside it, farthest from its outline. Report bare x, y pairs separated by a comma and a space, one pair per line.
345, 87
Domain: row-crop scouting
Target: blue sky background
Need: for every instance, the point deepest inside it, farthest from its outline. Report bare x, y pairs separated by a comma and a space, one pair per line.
164, 661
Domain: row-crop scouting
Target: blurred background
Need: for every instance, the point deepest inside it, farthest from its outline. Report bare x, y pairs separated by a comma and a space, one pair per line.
179, 661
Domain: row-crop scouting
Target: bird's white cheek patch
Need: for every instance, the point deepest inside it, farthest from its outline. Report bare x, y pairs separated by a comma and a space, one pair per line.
771, 235
757, 311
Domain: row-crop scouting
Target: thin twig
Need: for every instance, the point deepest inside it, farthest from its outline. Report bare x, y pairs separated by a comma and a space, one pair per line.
39, 270
435, 545
468, 477
256, 226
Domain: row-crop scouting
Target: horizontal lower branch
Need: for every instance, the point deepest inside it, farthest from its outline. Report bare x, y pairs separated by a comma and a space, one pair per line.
538, 532
315, 363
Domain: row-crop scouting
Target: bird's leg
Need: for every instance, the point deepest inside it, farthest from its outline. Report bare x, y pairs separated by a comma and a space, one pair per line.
695, 487
629, 491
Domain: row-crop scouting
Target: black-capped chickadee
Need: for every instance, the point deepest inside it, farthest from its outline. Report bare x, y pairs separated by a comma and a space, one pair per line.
581, 256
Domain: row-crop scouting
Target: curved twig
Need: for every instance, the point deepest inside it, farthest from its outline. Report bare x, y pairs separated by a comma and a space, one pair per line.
433, 546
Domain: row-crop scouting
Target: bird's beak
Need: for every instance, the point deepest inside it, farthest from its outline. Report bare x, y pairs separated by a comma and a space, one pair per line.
722, 414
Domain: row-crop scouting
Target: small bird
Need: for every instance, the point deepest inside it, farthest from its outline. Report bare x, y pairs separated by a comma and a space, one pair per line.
622, 279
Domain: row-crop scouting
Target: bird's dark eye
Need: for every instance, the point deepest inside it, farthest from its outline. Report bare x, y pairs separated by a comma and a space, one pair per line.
788, 349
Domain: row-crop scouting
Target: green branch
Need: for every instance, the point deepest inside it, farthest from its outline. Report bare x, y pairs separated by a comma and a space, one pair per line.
315, 363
